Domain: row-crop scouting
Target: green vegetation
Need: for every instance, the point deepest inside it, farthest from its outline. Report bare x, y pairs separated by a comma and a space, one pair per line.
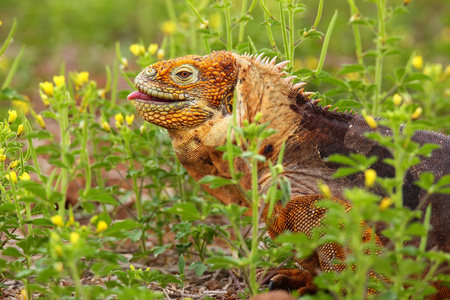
70, 171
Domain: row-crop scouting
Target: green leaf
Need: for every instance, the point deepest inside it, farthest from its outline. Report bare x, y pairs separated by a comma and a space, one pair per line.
181, 264
418, 76
10, 251
226, 262
351, 69
198, 267
215, 181
342, 172
41, 221
98, 195
187, 211
33, 187
125, 225
341, 159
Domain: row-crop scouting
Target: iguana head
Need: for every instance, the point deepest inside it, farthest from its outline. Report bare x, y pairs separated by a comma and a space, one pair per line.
186, 91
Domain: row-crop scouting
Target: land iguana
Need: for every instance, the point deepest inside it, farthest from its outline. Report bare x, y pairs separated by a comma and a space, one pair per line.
192, 97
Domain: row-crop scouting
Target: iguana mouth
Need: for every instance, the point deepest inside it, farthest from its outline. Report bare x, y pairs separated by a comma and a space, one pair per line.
156, 96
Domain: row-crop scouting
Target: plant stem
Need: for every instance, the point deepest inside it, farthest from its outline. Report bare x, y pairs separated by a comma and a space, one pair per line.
255, 223
241, 22
325, 43
381, 38
228, 26
284, 31
356, 33
319, 14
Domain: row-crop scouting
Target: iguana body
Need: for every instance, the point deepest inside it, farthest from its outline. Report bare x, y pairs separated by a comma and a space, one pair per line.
192, 97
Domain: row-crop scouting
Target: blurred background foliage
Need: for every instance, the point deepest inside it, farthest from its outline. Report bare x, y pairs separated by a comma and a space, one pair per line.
83, 33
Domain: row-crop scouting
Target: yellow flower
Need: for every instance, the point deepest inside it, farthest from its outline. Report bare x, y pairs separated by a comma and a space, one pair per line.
119, 118
137, 49
397, 99
74, 237
47, 88
325, 190
152, 49
101, 226
13, 164
106, 127
385, 203
59, 80
370, 176
1, 22
2, 157
12, 116
417, 62
129, 119
168, 27
416, 113
59, 250
12, 176
40, 121
25, 176
160, 54
132, 268
371, 121
81, 78
59, 266
57, 220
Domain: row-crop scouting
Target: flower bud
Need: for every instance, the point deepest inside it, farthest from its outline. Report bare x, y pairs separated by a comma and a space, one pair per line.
129, 119
40, 121
416, 114
12, 116
371, 122
19, 130
385, 203
74, 237
397, 99
101, 226
47, 87
59, 80
370, 177
57, 220
152, 49
106, 127
417, 62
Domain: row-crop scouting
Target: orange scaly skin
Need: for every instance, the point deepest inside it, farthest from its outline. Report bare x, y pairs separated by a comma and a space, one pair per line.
192, 97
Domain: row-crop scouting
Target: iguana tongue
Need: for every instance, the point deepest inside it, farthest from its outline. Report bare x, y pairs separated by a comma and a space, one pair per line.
140, 96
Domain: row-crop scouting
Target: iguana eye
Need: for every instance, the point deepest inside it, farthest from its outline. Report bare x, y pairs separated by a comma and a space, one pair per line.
184, 74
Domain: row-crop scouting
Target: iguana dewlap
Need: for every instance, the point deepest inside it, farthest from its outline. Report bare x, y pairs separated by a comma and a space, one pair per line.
192, 97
